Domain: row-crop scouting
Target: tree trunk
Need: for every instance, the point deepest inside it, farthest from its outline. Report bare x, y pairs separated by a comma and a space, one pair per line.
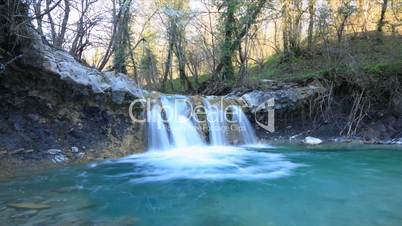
109, 49
168, 65
250, 16
285, 28
51, 22
311, 11
182, 65
39, 17
60, 37
229, 28
382, 16
341, 28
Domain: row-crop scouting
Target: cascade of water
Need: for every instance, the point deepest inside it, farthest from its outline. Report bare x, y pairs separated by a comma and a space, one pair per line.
247, 133
181, 121
216, 124
182, 129
158, 138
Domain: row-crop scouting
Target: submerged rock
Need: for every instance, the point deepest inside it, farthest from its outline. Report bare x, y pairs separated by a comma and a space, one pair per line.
312, 140
28, 205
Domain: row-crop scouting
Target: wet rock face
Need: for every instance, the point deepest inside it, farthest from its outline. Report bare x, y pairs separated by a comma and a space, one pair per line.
48, 101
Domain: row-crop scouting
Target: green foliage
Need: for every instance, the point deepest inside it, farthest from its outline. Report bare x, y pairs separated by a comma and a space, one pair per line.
382, 70
362, 59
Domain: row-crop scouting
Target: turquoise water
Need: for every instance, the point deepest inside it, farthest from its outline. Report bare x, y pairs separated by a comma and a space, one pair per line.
218, 186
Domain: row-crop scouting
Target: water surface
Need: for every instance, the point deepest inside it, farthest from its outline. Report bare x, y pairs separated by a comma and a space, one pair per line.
209, 186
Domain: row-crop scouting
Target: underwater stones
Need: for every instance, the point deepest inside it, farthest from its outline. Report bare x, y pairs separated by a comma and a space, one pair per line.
28, 205
312, 140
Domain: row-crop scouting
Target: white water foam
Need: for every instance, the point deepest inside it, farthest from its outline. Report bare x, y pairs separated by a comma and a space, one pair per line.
208, 163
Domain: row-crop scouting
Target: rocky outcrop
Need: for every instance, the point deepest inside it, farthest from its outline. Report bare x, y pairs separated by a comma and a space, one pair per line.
49, 101
288, 100
299, 113
288, 96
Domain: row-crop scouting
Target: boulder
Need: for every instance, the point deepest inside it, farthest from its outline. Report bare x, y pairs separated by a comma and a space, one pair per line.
312, 140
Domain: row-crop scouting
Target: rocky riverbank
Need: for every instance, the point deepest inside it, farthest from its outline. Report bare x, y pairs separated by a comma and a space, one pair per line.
303, 110
55, 110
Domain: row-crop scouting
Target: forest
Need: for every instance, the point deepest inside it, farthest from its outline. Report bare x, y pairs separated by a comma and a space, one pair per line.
201, 46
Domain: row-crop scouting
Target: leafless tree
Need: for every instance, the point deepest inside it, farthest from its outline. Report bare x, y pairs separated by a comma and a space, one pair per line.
384, 6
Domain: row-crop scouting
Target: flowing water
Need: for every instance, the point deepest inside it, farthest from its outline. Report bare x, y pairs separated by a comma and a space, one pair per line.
188, 178
173, 123
218, 186
247, 134
216, 125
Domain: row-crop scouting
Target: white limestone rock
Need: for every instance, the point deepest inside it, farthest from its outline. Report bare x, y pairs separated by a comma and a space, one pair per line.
312, 140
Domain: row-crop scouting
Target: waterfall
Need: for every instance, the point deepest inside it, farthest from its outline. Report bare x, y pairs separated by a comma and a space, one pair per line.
179, 117
172, 123
216, 124
158, 138
247, 134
